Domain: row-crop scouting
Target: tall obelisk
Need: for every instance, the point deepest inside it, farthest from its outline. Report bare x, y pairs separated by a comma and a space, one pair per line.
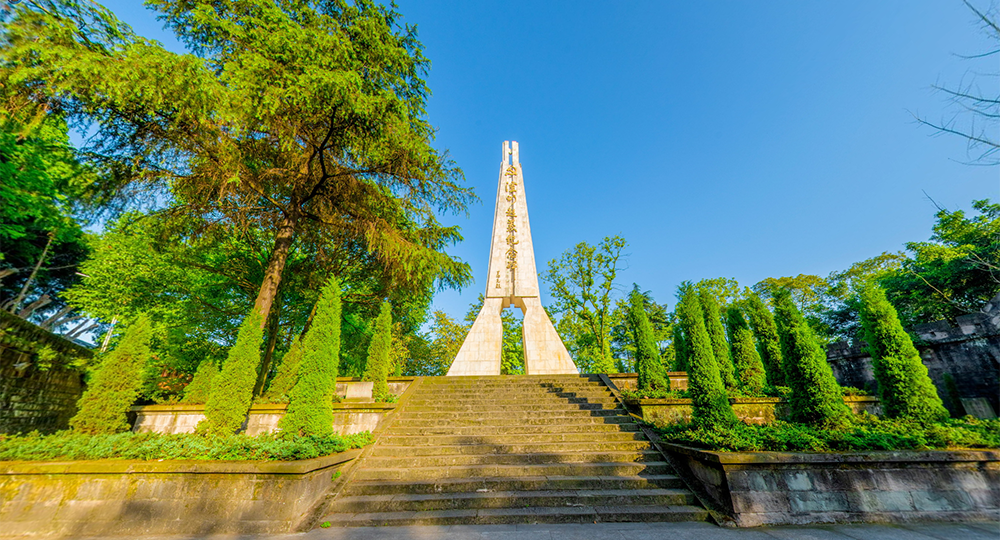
512, 281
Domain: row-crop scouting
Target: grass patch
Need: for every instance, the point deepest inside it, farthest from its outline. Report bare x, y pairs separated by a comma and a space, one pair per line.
866, 432
73, 446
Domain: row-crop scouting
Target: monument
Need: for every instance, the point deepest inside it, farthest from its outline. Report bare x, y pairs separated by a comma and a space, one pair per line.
512, 280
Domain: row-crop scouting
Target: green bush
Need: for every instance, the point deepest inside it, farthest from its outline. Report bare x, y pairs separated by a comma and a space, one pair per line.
647, 354
682, 348
903, 384
816, 397
232, 389
717, 334
710, 404
379, 353
288, 372
865, 433
657, 393
745, 356
115, 385
768, 345
198, 389
68, 445
309, 404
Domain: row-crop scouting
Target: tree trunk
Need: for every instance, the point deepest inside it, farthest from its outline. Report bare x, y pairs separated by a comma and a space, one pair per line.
27, 284
275, 266
272, 339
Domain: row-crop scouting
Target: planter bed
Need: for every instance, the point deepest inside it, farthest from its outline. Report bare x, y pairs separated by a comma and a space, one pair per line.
750, 410
119, 497
774, 488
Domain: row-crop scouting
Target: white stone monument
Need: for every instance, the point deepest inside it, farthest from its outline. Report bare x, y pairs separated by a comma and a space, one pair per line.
512, 281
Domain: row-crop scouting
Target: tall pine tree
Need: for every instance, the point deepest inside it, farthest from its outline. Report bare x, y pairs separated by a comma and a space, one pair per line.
708, 395
309, 411
232, 389
377, 368
816, 397
749, 367
682, 349
768, 345
647, 354
904, 386
716, 332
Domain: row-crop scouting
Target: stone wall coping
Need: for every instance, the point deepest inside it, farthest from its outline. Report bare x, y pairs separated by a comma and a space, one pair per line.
175, 466
674, 374
796, 458
388, 379
735, 400
260, 408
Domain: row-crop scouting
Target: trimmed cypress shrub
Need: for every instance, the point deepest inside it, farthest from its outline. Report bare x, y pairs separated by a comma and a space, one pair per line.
309, 402
749, 367
115, 385
379, 353
816, 397
198, 389
720, 349
903, 384
768, 345
232, 389
682, 349
288, 372
647, 354
710, 403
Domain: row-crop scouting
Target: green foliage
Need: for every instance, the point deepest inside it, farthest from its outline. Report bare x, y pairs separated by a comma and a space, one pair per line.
661, 322
232, 389
377, 368
582, 283
654, 393
647, 354
198, 390
72, 446
716, 332
512, 347
865, 433
309, 404
816, 397
682, 348
446, 337
745, 356
809, 294
954, 396
904, 386
768, 345
288, 372
711, 407
115, 385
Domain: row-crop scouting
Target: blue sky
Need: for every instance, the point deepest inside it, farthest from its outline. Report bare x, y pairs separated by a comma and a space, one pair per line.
737, 139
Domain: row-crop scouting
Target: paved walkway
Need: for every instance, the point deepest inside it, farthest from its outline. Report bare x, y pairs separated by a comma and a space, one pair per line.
635, 531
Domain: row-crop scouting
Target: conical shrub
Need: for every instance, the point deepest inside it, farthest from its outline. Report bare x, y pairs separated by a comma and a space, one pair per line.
647, 354
379, 353
232, 389
903, 384
115, 385
816, 397
711, 407
768, 345
682, 349
717, 334
309, 403
288, 372
749, 367
198, 389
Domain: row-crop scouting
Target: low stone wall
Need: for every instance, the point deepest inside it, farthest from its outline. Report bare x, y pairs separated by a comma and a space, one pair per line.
39, 381
397, 385
750, 410
771, 488
348, 418
630, 381
119, 497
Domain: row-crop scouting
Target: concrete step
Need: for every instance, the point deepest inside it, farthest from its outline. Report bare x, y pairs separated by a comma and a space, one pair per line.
497, 516
530, 421
463, 460
512, 499
513, 471
480, 449
531, 400
444, 436
509, 412
522, 483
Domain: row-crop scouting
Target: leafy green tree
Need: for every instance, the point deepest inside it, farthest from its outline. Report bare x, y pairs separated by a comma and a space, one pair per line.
745, 356
710, 402
288, 372
198, 390
309, 411
446, 337
379, 352
232, 389
842, 317
582, 284
311, 127
768, 345
623, 337
809, 293
816, 397
115, 385
647, 354
717, 333
904, 386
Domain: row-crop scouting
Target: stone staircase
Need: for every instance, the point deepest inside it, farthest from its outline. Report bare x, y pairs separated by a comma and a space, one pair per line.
512, 449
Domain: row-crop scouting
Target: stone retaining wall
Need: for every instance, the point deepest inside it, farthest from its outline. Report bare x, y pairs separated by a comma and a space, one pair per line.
119, 497
750, 410
771, 488
348, 418
630, 381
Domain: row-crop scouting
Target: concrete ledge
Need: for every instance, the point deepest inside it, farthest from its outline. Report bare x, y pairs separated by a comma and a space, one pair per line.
348, 418
779, 488
756, 410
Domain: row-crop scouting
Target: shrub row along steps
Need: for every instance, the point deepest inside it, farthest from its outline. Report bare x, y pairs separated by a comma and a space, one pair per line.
512, 449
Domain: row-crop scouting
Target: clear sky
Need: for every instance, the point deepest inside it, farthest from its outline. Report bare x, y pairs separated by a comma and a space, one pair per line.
737, 139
